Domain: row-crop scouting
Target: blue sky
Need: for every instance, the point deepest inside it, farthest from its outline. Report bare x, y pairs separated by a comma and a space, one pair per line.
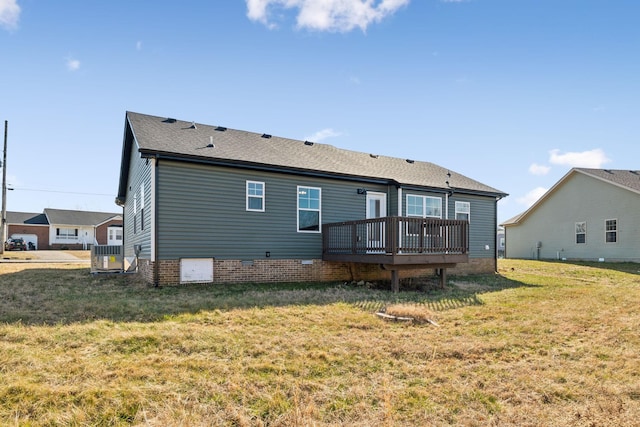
510, 93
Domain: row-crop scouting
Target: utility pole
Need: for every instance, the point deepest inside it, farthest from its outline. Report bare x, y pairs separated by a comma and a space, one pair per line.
3, 220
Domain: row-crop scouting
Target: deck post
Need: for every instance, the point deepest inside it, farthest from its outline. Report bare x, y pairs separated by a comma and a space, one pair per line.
395, 281
443, 277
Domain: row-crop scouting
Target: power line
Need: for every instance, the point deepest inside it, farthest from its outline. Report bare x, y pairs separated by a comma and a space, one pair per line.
64, 192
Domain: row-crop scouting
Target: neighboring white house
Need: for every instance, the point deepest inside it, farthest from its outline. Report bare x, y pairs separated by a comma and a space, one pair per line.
80, 229
590, 214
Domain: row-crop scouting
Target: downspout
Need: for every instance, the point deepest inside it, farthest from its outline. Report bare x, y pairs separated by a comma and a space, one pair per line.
123, 243
156, 265
399, 214
446, 205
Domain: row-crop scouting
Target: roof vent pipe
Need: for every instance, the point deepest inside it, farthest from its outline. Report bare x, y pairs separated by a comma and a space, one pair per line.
193, 125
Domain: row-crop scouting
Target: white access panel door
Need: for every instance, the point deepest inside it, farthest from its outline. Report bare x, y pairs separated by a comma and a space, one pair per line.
196, 270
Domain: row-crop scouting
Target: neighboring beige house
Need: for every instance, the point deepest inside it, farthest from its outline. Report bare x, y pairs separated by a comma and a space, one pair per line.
590, 214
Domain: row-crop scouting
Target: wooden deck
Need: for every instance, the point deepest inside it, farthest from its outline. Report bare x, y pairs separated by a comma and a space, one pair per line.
398, 243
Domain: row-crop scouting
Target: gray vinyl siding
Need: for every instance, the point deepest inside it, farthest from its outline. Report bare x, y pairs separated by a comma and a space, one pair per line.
482, 224
202, 212
139, 172
580, 198
482, 221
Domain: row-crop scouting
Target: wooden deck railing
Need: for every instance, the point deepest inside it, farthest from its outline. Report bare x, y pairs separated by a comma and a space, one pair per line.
395, 235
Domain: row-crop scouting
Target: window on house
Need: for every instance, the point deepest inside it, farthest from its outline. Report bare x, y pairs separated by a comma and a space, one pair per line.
114, 235
581, 232
142, 206
611, 230
135, 213
463, 210
67, 233
309, 203
423, 207
255, 196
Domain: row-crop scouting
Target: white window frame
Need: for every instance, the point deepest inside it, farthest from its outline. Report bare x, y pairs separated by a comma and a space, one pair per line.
114, 235
423, 210
142, 206
250, 196
307, 209
463, 208
581, 229
424, 206
69, 233
135, 213
607, 231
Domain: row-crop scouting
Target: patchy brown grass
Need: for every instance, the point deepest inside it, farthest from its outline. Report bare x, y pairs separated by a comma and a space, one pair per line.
539, 344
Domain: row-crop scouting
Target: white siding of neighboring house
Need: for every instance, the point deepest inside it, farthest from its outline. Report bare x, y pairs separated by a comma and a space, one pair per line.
86, 235
579, 199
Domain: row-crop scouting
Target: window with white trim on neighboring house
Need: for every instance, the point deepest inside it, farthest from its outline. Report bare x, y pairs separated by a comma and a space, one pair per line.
611, 230
255, 196
67, 233
309, 209
581, 232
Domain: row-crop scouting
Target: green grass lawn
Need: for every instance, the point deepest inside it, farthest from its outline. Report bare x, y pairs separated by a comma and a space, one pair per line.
539, 344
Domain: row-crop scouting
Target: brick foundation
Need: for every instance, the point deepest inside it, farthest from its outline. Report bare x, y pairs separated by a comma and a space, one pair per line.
289, 270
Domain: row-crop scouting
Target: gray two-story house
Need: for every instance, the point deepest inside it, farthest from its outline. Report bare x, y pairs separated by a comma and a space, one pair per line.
206, 203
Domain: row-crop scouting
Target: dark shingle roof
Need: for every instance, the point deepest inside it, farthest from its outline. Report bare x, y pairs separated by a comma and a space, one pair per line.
26, 218
198, 142
621, 177
71, 217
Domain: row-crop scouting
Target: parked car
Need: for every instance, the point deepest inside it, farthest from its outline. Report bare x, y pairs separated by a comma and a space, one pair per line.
15, 245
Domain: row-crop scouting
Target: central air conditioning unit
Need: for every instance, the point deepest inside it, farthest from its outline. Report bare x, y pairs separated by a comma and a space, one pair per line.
106, 258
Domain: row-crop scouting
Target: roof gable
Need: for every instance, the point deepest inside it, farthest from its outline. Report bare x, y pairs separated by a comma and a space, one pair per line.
626, 179
27, 218
77, 218
188, 141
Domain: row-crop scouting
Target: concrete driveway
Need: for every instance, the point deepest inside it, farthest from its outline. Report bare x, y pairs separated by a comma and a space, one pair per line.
44, 256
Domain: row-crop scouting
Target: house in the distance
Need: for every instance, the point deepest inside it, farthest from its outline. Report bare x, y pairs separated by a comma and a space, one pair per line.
66, 229
589, 214
210, 204
32, 227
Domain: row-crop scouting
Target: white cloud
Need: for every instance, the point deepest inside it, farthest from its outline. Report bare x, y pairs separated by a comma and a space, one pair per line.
73, 64
326, 15
323, 134
138, 45
536, 169
531, 197
585, 159
9, 14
